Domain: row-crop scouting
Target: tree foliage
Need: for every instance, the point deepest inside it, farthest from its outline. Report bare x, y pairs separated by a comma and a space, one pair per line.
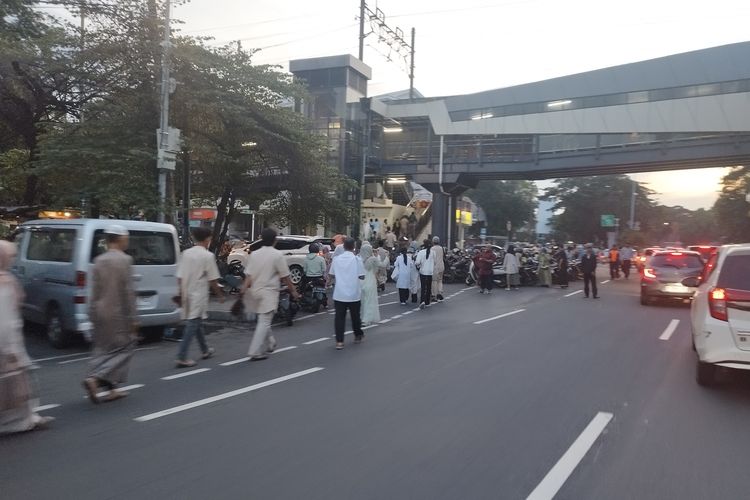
504, 201
731, 208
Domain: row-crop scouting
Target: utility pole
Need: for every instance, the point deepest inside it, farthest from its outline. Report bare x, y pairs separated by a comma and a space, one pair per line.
362, 35
161, 162
631, 223
411, 66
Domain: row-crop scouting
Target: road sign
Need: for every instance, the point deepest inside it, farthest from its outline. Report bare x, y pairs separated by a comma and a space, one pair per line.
483, 231
608, 220
508, 225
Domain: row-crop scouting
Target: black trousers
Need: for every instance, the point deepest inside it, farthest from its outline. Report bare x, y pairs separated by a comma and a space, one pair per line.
426, 282
403, 294
590, 278
626, 267
486, 282
614, 270
340, 321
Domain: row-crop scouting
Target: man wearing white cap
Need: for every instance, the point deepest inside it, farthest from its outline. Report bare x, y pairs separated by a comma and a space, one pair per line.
113, 312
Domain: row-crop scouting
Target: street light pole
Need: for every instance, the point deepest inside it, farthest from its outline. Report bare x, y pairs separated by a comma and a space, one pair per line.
632, 204
164, 112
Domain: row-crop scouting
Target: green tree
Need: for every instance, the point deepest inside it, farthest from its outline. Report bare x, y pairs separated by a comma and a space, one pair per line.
504, 201
731, 209
581, 201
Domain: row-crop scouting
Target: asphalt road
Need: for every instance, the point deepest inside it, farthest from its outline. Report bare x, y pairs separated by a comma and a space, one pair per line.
531, 394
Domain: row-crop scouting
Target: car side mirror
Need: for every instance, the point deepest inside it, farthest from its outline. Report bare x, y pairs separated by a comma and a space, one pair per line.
692, 282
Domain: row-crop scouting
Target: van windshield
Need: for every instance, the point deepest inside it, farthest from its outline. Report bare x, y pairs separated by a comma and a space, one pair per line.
148, 248
735, 273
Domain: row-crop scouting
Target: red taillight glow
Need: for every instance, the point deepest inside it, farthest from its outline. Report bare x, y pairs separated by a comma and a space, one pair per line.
717, 304
676, 254
649, 273
80, 279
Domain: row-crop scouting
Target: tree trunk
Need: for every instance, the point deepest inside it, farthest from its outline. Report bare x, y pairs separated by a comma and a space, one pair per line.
221, 213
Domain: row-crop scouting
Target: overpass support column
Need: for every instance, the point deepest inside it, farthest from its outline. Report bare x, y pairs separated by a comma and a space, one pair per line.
440, 215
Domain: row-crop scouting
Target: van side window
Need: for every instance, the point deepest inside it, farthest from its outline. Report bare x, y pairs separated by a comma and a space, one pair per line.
51, 245
152, 248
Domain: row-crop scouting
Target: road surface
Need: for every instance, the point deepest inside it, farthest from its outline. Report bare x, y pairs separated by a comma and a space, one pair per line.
536, 394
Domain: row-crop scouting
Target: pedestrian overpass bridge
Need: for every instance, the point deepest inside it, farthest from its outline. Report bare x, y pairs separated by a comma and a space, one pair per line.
688, 110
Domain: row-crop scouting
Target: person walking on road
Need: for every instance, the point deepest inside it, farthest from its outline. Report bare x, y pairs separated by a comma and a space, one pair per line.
588, 267
373, 265
196, 272
266, 267
114, 315
425, 263
16, 396
402, 275
483, 263
390, 240
626, 256
348, 271
544, 272
439, 270
510, 265
413, 275
614, 262
382, 273
562, 267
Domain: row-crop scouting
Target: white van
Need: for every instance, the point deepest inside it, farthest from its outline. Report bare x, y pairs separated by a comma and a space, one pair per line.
54, 263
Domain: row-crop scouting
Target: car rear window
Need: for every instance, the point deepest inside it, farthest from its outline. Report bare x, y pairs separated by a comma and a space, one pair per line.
735, 273
148, 248
51, 245
681, 261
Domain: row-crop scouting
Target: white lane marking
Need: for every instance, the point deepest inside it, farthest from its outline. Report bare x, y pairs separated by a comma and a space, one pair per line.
321, 339
387, 320
397, 316
284, 349
310, 316
574, 293
669, 330
389, 303
556, 477
126, 388
235, 362
407, 312
186, 374
59, 357
368, 327
226, 395
46, 407
605, 282
499, 316
89, 357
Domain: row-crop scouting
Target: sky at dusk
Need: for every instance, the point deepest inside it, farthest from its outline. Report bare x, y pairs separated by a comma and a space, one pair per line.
475, 45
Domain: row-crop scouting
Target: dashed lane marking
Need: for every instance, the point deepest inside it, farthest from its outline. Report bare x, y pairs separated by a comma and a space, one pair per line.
226, 395
605, 282
186, 374
669, 330
556, 477
499, 316
321, 339
573, 293
46, 407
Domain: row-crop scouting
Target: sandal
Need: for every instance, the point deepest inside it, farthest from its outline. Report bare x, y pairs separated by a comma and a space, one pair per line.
209, 353
185, 364
339, 346
91, 389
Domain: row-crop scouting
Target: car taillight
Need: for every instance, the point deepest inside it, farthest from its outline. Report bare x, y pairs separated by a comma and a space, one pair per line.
649, 273
717, 304
80, 279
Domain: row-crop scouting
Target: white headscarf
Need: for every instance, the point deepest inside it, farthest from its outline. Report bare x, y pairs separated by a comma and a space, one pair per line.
338, 251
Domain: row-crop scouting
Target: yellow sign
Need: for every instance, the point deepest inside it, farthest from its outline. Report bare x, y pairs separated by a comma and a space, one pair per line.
59, 214
464, 217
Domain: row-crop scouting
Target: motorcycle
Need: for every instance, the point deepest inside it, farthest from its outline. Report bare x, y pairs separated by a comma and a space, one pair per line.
314, 295
287, 308
499, 278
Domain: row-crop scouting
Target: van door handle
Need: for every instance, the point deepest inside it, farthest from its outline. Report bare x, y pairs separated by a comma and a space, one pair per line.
289, 253
137, 277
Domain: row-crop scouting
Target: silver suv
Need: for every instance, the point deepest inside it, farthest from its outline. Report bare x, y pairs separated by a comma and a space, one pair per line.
294, 248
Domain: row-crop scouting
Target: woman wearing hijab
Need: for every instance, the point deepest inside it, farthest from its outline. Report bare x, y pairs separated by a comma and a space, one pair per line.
370, 307
510, 263
16, 403
426, 264
413, 276
544, 272
402, 273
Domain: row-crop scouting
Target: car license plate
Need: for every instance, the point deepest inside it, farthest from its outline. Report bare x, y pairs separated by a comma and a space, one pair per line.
145, 302
676, 289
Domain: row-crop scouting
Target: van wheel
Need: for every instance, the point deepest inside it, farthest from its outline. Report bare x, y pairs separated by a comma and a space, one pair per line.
645, 301
705, 374
57, 336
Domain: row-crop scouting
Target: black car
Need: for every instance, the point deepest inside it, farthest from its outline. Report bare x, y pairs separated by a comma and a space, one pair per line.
662, 277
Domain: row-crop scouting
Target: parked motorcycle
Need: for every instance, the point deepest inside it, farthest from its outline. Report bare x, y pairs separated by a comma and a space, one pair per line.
287, 307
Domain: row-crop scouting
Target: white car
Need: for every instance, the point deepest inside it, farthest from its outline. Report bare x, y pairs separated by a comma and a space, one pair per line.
720, 313
295, 249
